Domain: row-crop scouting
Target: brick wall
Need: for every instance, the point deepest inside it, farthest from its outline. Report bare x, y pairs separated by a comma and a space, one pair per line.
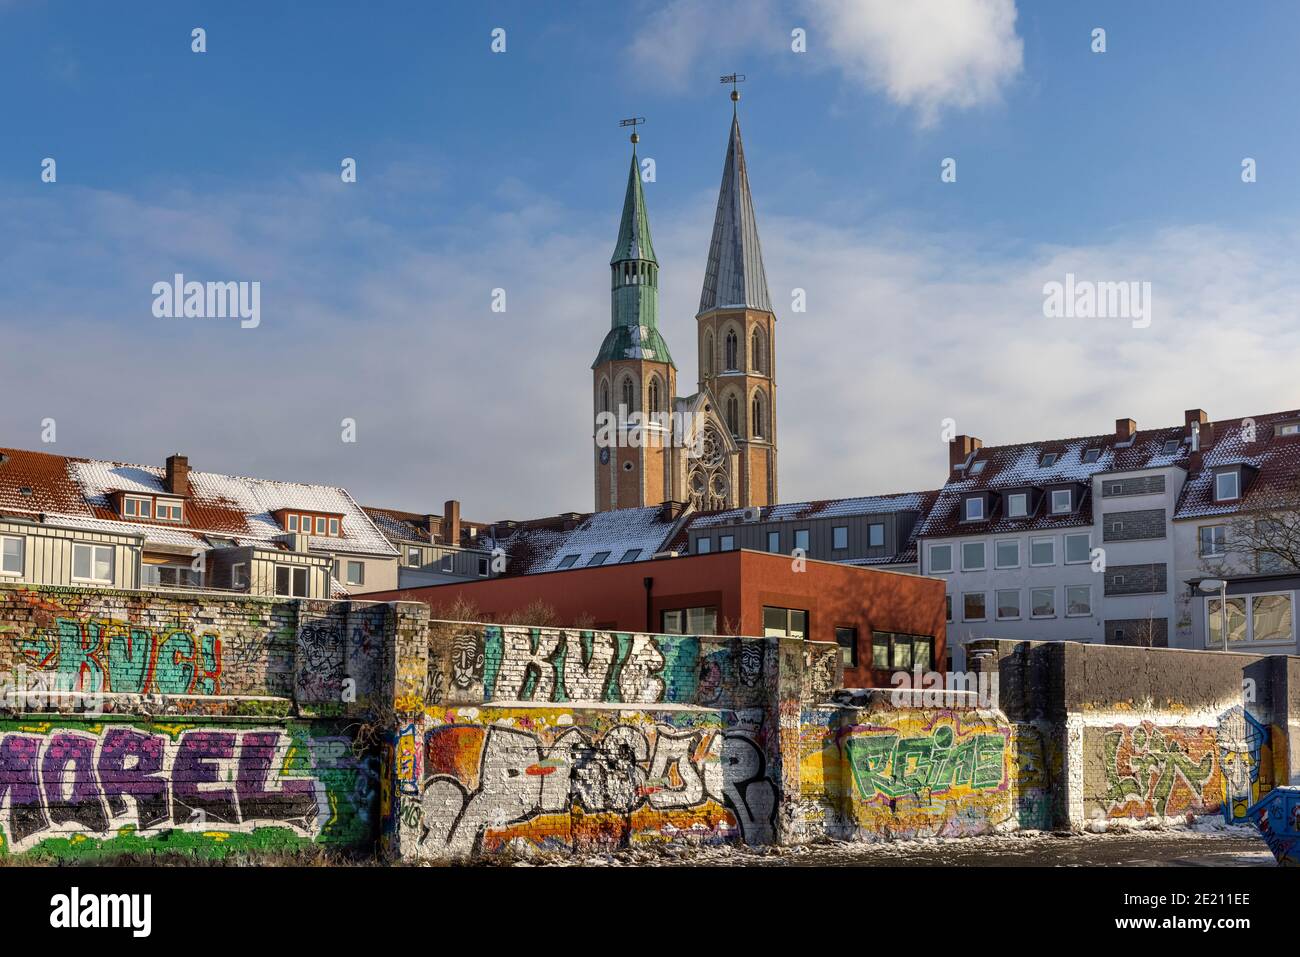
188, 723
1139, 485
1150, 579
1135, 525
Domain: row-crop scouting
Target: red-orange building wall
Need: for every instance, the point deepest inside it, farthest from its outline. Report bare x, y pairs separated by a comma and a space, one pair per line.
738, 583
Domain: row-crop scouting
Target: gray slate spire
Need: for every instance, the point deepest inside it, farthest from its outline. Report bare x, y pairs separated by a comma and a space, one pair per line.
734, 276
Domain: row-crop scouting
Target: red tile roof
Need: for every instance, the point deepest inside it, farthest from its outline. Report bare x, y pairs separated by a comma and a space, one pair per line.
1247, 441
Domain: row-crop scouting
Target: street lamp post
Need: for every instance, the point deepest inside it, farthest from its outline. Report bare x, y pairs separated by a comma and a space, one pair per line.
1210, 586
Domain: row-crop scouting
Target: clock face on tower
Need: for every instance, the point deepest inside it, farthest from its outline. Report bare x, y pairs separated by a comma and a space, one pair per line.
604, 456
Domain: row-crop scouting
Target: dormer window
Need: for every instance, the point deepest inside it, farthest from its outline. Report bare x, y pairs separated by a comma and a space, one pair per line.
168, 511
1017, 505
974, 510
1290, 428
292, 524
135, 507
310, 523
1091, 455
1227, 486
1061, 501
1048, 460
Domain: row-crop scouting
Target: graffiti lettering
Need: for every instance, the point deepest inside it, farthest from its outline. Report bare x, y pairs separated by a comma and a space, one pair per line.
890, 765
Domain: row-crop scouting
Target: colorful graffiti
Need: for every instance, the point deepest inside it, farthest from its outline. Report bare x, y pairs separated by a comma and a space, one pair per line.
1277, 816
1171, 772
913, 773
107, 655
564, 780
78, 789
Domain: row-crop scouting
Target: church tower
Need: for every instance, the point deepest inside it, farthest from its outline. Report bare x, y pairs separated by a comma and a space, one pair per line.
633, 371
736, 327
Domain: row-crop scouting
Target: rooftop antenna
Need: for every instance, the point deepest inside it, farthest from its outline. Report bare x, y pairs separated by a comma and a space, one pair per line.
733, 79
634, 122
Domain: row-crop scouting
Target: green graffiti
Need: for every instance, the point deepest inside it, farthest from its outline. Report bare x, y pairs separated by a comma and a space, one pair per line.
1157, 762
893, 766
103, 655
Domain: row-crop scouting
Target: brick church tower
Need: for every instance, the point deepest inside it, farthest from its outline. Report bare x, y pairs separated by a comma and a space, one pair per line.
634, 371
737, 327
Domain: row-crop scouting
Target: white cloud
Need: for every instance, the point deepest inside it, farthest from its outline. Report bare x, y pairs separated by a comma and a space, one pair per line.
668, 49
452, 400
929, 55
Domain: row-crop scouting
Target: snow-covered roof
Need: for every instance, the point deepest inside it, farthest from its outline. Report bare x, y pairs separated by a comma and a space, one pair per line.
76, 492
626, 534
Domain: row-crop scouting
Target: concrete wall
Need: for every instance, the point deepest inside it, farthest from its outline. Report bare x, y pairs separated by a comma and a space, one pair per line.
1151, 736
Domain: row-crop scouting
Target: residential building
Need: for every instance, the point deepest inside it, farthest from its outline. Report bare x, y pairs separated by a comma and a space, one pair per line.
885, 621
872, 530
87, 522
433, 549
1066, 539
1237, 521
722, 453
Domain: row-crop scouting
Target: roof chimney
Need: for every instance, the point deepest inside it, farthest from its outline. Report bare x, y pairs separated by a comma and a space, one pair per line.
177, 480
451, 522
1125, 429
670, 510
959, 450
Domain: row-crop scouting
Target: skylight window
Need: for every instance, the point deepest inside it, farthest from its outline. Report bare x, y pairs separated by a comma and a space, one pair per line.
1091, 455
567, 561
978, 467
1171, 446
631, 555
598, 559
1048, 460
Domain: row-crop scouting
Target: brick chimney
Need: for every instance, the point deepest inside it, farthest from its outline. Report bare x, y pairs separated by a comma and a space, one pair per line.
177, 479
451, 522
1125, 429
959, 450
669, 510
1200, 432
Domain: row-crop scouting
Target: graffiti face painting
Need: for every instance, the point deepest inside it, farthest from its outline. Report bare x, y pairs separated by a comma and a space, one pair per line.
467, 658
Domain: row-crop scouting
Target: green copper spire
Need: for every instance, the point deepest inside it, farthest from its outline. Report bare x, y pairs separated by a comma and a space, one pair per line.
634, 284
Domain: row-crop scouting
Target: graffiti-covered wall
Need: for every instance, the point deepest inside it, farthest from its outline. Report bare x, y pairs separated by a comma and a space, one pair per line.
545, 739
83, 789
136, 722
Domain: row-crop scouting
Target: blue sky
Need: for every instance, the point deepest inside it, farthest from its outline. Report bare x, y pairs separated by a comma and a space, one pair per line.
478, 170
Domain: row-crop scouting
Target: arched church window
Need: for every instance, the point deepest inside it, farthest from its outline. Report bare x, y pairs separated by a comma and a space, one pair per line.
733, 415
604, 396
627, 394
756, 351
757, 416
654, 395
731, 350
708, 354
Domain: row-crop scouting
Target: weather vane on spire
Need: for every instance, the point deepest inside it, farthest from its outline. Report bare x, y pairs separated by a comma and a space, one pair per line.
634, 122
733, 79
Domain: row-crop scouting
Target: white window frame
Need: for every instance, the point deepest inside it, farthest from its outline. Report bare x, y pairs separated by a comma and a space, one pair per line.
997, 604
238, 571
1200, 550
143, 506
291, 522
168, 504
293, 573
1039, 539
1250, 641
334, 527
22, 555
94, 547
1012, 512
966, 509
347, 567
1047, 588
997, 556
1236, 479
1069, 501
321, 525
1077, 614
414, 556
930, 569
984, 557
1087, 550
